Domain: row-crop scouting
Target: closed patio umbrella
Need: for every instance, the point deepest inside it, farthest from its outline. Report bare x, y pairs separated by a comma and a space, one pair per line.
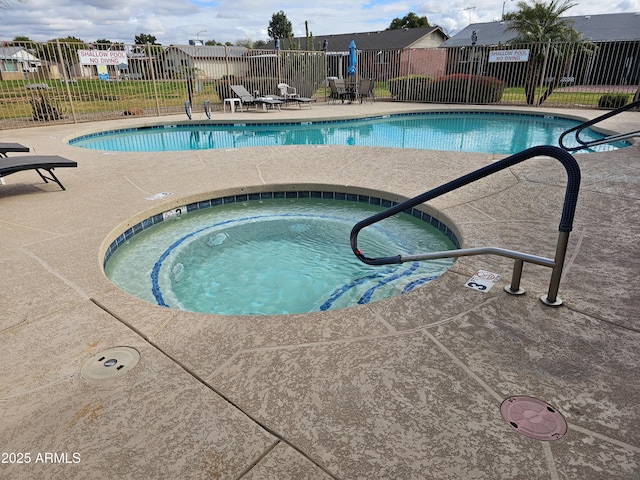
353, 58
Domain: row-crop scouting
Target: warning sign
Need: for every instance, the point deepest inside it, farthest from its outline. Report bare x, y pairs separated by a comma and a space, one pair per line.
102, 57
496, 56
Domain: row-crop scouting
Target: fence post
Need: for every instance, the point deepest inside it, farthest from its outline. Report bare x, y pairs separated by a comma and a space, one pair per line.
469, 73
66, 80
278, 65
326, 73
544, 70
406, 88
153, 80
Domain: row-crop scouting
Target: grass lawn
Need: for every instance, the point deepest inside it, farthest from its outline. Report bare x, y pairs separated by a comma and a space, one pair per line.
91, 96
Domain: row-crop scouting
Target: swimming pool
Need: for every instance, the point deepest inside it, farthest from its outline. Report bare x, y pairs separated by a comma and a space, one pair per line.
273, 253
498, 133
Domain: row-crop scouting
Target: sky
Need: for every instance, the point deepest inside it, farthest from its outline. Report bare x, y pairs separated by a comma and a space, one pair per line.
175, 22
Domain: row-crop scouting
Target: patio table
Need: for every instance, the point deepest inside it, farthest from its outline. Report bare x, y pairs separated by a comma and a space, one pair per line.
352, 88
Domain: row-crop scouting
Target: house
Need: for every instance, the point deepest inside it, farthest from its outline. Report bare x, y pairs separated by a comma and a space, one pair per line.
382, 54
616, 60
212, 62
17, 62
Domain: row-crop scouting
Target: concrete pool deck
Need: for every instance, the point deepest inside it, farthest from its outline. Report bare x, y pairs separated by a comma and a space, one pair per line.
409, 387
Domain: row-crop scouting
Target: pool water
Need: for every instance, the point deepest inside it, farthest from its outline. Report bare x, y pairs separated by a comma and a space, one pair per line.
497, 133
272, 257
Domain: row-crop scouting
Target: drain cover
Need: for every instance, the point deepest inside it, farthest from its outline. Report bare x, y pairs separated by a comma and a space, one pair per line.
533, 418
112, 363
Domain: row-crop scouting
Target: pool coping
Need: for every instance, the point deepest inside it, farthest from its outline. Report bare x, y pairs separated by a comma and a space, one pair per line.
326, 192
271, 194
321, 121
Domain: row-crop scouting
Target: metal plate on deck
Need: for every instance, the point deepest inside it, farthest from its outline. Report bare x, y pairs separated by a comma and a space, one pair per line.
109, 364
533, 418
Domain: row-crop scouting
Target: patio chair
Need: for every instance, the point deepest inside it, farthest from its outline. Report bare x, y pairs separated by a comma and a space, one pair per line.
289, 94
247, 99
286, 91
338, 90
303, 101
365, 90
47, 163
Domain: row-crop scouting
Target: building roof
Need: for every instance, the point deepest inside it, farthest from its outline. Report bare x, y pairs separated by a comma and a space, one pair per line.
209, 51
380, 40
16, 53
597, 28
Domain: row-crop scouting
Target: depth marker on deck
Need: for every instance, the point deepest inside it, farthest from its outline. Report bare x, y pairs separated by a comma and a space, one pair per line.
482, 281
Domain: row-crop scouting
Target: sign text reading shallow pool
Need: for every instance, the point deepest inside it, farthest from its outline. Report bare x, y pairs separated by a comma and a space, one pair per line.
102, 57
508, 56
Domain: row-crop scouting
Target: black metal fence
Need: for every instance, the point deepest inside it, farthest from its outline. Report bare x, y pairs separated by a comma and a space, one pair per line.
59, 82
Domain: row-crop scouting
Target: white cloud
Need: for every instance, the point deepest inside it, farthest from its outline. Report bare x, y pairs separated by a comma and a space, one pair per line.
177, 21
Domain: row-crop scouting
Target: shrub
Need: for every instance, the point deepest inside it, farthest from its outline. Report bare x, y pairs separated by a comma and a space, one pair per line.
456, 88
463, 88
43, 110
411, 89
612, 100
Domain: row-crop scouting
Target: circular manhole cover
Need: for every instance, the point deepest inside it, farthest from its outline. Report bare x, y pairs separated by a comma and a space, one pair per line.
112, 363
533, 418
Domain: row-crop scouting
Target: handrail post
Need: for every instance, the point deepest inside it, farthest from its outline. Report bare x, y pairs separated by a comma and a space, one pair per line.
514, 288
551, 298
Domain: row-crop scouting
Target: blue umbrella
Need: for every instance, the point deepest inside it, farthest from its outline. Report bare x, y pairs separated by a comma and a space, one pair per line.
353, 58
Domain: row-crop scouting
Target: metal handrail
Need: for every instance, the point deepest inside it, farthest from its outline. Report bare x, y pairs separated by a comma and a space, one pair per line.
566, 221
608, 139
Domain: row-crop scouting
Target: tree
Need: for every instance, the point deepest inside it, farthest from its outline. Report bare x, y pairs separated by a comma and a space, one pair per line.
244, 42
102, 44
144, 38
410, 20
553, 42
279, 26
68, 47
105, 44
69, 39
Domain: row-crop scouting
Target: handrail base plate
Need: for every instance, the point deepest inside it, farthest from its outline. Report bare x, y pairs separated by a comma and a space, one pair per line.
545, 299
520, 291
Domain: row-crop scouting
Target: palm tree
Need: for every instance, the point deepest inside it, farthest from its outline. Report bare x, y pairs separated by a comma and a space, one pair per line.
553, 40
